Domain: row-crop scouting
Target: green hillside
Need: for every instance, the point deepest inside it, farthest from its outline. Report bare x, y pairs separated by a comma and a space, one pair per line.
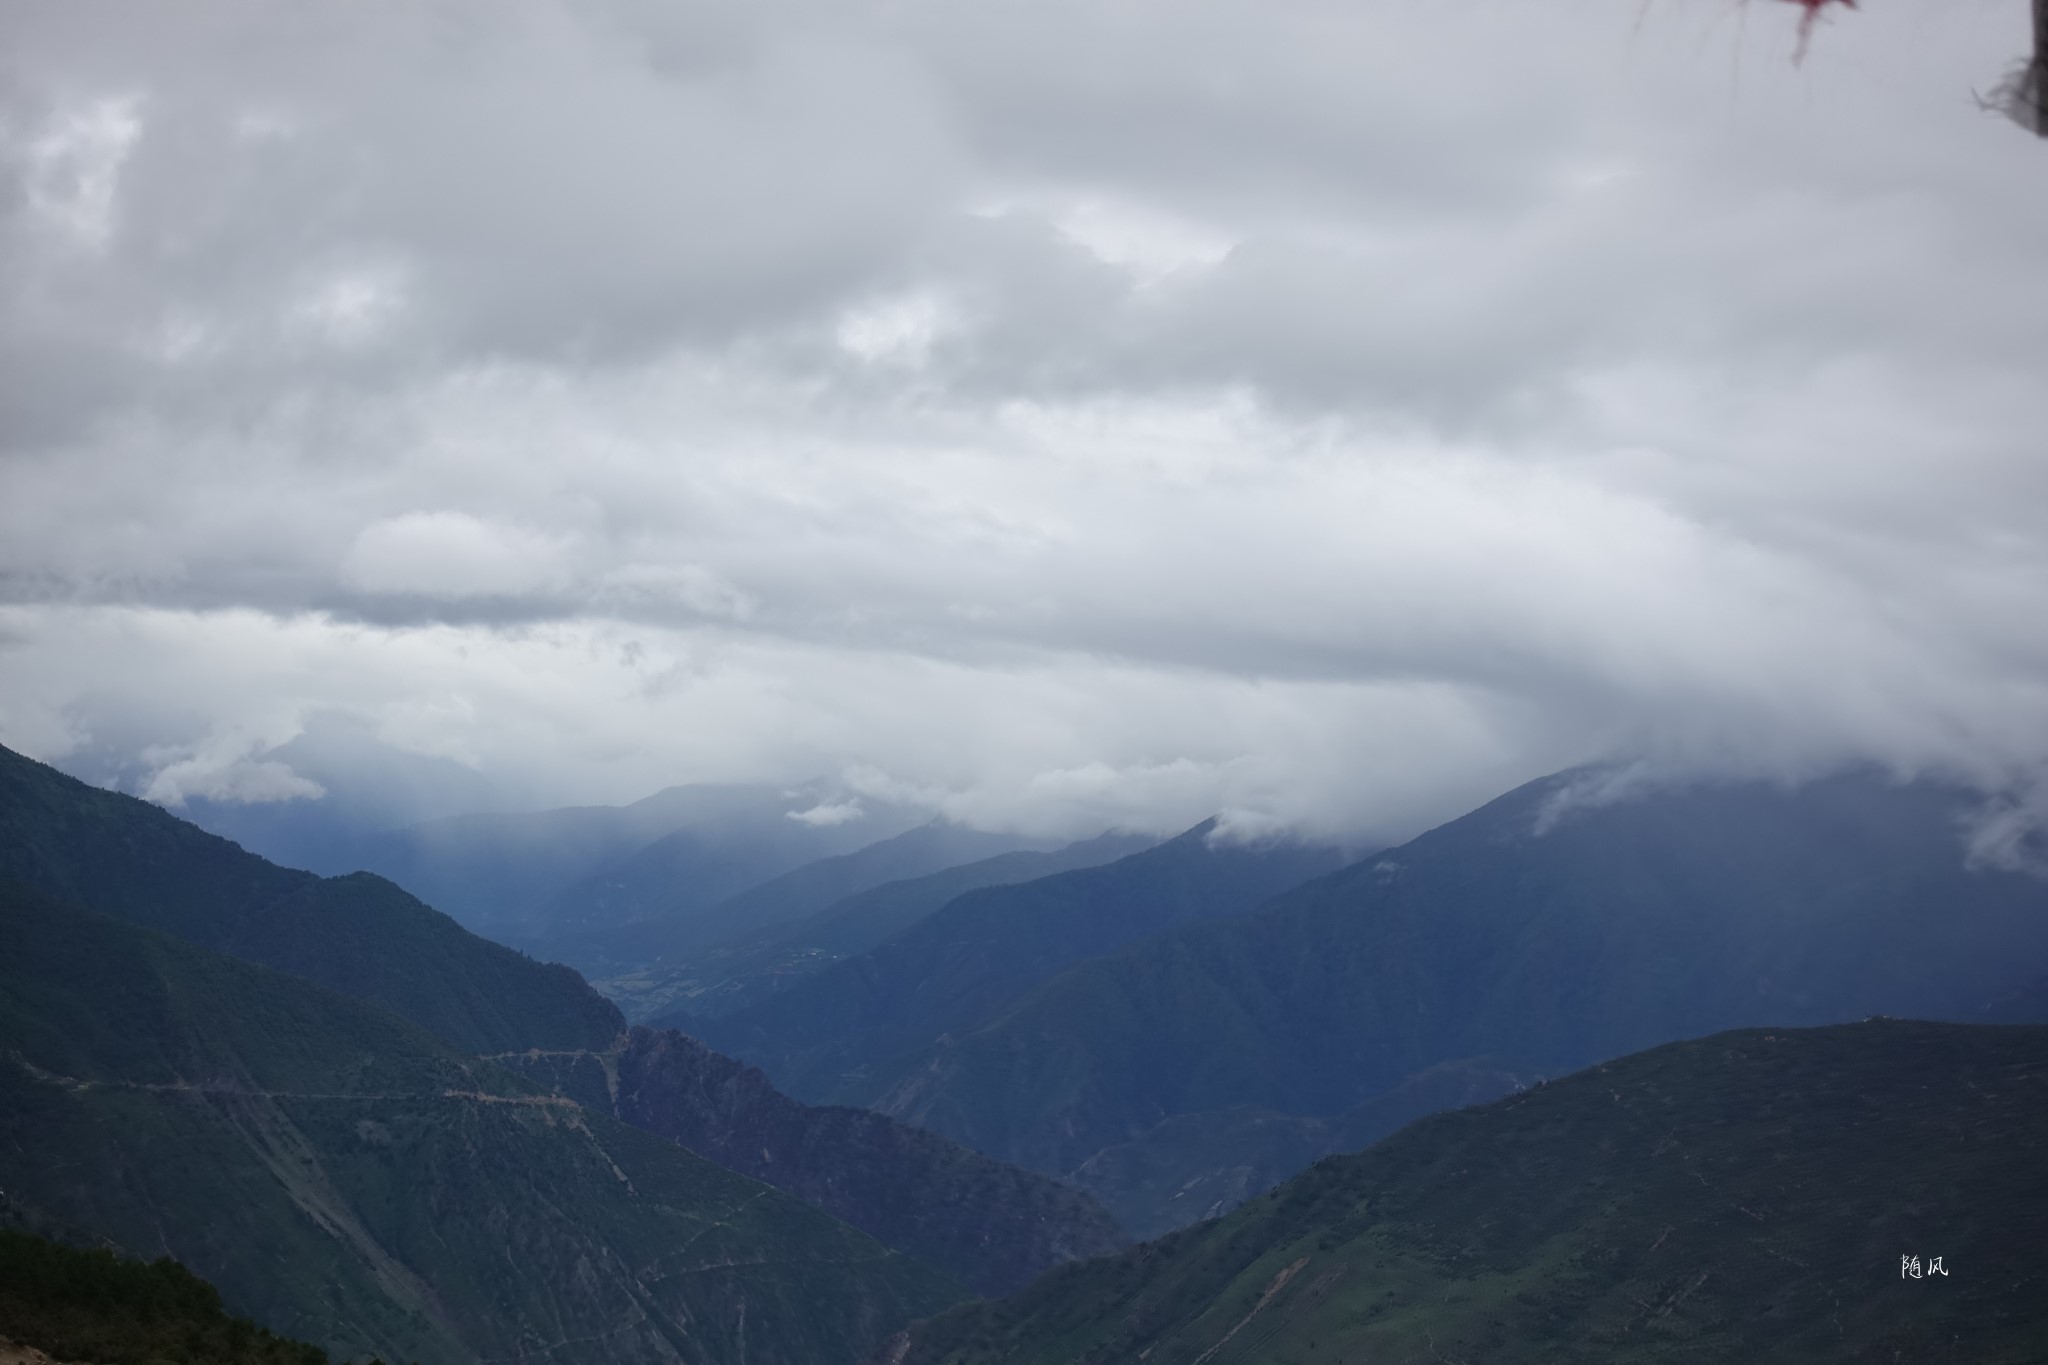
831, 1037
348, 1179
1508, 943
357, 934
91, 1305
1744, 1197
1204, 1164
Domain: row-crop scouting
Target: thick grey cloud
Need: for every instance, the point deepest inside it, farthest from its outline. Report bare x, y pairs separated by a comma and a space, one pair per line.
1055, 414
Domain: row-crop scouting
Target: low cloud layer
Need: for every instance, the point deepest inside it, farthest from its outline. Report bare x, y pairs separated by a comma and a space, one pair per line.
1054, 414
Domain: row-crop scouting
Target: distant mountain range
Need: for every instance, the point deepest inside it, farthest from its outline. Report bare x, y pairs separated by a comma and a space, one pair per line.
582, 871
1182, 1072
624, 890
1863, 1193
839, 1036
723, 978
299, 1084
697, 887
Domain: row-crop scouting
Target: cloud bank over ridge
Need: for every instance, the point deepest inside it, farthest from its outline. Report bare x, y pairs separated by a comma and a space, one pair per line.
1057, 415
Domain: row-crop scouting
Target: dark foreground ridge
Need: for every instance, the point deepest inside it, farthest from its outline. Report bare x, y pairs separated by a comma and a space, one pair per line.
75, 1304
348, 1179
1744, 1197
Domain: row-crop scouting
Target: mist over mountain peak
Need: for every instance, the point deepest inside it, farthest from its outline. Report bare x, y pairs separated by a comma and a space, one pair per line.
682, 678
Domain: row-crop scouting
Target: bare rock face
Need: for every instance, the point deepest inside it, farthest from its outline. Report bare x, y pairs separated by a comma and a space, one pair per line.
995, 1226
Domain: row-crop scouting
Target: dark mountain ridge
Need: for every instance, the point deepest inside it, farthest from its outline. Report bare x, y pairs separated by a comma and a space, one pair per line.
673, 922
1509, 943
348, 1179
995, 1226
667, 896
366, 938
1773, 1197
358, 934
807, 890
730, 975
826, 1037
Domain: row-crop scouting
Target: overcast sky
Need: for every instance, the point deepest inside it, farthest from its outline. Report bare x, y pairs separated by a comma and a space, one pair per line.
1055, 413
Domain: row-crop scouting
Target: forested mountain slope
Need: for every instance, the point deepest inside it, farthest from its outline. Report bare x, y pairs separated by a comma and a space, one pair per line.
78, 1304
365, 937
1744, 1197
358, 934
994, 1225
348, 1179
